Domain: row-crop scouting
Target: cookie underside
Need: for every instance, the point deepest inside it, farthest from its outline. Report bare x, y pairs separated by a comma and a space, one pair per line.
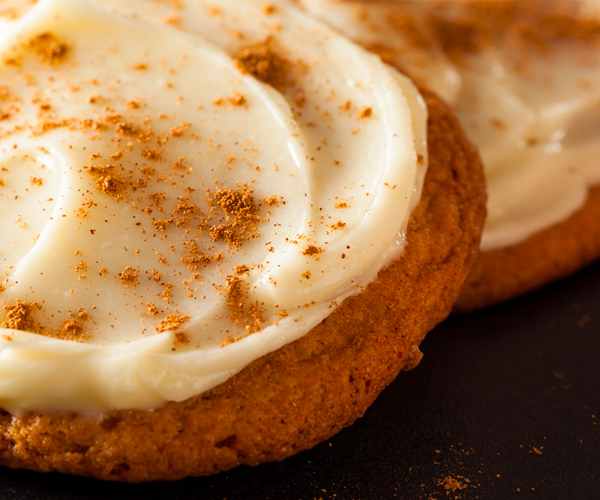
303, 393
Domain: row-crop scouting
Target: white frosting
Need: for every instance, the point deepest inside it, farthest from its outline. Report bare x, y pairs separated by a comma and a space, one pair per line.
534, 114
113, 296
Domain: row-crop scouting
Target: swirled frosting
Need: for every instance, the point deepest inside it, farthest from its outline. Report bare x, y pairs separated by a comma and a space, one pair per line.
185, 190
523, 78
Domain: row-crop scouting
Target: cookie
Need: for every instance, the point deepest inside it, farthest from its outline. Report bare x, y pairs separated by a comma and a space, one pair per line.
303, 393
528, 100
110, 422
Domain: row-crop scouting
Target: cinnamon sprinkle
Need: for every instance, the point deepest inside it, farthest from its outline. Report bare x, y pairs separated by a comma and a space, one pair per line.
262, 62
312, 250
172, 322
128, 277
48, 48
20, 317
364, 112
107, 180
242, 311
71, 329
151, 309
240, 210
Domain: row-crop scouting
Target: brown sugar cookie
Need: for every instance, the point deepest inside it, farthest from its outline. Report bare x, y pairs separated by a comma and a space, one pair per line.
523, 79
299, 395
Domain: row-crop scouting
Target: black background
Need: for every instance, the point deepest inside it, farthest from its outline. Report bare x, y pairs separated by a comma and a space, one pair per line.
505, 404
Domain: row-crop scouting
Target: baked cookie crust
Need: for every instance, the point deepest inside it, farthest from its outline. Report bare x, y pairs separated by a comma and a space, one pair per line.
303, 393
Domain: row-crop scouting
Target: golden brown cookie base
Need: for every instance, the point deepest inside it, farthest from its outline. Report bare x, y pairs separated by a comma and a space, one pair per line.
293, 398
499, 275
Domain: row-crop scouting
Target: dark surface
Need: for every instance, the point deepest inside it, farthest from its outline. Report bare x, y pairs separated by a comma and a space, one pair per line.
505, 404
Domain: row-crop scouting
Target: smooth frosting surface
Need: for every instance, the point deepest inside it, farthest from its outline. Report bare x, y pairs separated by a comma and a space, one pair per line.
528, 97
185, 190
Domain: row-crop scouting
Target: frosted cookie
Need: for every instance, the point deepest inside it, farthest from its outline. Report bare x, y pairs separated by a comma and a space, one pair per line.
523, 79
230, 228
